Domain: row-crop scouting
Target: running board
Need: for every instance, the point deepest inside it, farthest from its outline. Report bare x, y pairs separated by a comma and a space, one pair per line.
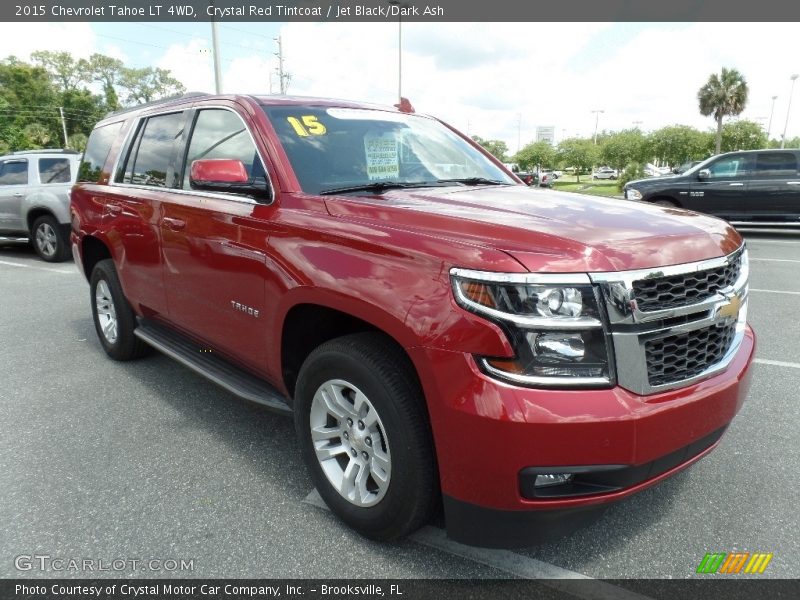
220, 371
757, 224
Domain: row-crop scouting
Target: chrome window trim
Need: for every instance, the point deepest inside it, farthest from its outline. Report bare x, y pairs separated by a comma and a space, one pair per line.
219, 196
135, 128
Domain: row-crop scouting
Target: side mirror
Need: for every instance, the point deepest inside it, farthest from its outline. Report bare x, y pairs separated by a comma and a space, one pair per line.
225, 175
704, 174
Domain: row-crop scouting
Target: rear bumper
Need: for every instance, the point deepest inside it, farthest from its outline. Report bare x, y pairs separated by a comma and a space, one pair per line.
492, 437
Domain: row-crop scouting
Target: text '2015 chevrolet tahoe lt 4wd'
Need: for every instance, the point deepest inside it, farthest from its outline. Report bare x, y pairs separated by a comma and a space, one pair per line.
439, 331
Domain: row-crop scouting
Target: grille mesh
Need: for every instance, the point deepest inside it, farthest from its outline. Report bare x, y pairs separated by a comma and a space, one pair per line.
686, 355
685, 289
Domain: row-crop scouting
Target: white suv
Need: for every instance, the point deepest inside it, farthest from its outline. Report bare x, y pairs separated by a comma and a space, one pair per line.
34, 199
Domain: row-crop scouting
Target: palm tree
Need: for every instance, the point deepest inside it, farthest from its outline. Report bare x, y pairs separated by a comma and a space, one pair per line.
722, 95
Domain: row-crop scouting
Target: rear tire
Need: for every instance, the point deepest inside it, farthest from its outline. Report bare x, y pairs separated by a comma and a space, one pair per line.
114, 319
49, 239
365, 437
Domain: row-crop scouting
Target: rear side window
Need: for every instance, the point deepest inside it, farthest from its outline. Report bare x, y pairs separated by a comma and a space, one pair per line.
149, 161
96, 153
54, 170
14, 172
776, 164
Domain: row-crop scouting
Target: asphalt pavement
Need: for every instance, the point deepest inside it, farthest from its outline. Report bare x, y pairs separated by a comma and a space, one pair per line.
145, 461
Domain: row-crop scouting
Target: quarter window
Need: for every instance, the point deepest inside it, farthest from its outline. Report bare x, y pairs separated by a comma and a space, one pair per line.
54, 170
14, 172
96, 153
149, 162
220, 133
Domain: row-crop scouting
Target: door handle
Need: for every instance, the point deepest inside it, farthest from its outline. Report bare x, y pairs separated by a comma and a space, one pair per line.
793, 182
736, 184
114, 209
174, 224
18, 195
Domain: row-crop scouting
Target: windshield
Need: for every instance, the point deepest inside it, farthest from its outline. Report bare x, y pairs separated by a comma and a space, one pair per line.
334, 149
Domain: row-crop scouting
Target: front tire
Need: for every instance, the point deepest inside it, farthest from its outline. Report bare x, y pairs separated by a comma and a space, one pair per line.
114, 319
49, 239
364, 434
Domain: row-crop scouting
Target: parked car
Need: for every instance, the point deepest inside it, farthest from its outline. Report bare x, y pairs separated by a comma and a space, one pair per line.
34, 199
605, 173
750, 186
543, 179
526, 177
440, 338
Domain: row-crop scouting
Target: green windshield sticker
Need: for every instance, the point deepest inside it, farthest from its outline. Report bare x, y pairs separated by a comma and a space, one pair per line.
382, 157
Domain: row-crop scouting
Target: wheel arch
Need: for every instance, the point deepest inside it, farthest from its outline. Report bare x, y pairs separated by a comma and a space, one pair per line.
307, 325
93, 250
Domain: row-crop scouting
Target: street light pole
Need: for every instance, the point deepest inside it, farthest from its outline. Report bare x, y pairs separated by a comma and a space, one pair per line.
596, 121
788, 109
215, 46
401, 4
771, 111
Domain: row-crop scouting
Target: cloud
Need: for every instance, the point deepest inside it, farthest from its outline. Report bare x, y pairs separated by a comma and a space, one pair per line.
20, 39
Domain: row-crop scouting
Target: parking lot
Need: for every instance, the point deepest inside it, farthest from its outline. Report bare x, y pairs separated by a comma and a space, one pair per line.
146, 460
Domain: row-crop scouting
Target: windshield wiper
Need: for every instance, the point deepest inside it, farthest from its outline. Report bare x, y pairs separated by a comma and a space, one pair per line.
475, 181
379, 187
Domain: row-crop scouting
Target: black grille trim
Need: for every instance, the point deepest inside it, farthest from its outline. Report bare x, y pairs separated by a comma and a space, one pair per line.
678, 357
663, 293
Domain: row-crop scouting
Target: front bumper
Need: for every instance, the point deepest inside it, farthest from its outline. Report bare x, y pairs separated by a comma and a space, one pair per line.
489, 435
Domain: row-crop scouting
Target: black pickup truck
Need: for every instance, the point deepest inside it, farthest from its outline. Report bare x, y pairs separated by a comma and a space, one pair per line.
754, 186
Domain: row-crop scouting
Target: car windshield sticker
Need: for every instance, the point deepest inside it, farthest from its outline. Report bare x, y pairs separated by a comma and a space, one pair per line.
307, 125
382, 157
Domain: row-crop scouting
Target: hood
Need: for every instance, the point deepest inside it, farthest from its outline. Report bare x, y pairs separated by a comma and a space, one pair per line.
655, 181
549, 231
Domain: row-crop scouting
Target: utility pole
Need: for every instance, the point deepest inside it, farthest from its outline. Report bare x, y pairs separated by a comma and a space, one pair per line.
63, 126
283, 77
788, 110
215, 45
596, 121
771, 110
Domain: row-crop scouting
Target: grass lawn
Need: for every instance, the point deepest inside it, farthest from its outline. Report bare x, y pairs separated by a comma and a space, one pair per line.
596, 187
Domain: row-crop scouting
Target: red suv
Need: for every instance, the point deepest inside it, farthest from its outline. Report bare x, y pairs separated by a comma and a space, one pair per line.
440, 332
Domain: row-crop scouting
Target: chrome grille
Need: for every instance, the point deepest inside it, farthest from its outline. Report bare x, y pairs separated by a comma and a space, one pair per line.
683, 356
687, 288
676, 325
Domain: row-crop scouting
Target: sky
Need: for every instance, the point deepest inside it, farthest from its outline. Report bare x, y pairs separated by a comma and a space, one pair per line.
495, 80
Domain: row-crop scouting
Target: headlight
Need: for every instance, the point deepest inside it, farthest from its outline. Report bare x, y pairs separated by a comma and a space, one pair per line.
553, 322
632, 194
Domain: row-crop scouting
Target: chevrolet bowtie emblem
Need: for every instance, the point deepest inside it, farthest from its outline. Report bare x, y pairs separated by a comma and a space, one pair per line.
731, 309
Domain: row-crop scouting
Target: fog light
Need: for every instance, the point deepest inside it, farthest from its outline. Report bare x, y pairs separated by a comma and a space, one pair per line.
552, 479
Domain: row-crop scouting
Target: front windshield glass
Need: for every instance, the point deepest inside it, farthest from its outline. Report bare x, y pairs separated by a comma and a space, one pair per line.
338, 148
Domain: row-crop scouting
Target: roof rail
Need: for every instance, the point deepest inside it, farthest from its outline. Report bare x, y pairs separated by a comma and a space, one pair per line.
123, 111
48, 151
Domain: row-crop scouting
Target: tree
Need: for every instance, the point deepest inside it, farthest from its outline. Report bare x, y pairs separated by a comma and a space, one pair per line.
148, 84
675, 144
497, 148
38, 135
620, 149
743, 135
723, 95
64, 70
107, 71
578, 153
537, 154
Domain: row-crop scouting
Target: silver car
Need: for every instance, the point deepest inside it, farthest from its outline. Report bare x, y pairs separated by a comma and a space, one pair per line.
34, 199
